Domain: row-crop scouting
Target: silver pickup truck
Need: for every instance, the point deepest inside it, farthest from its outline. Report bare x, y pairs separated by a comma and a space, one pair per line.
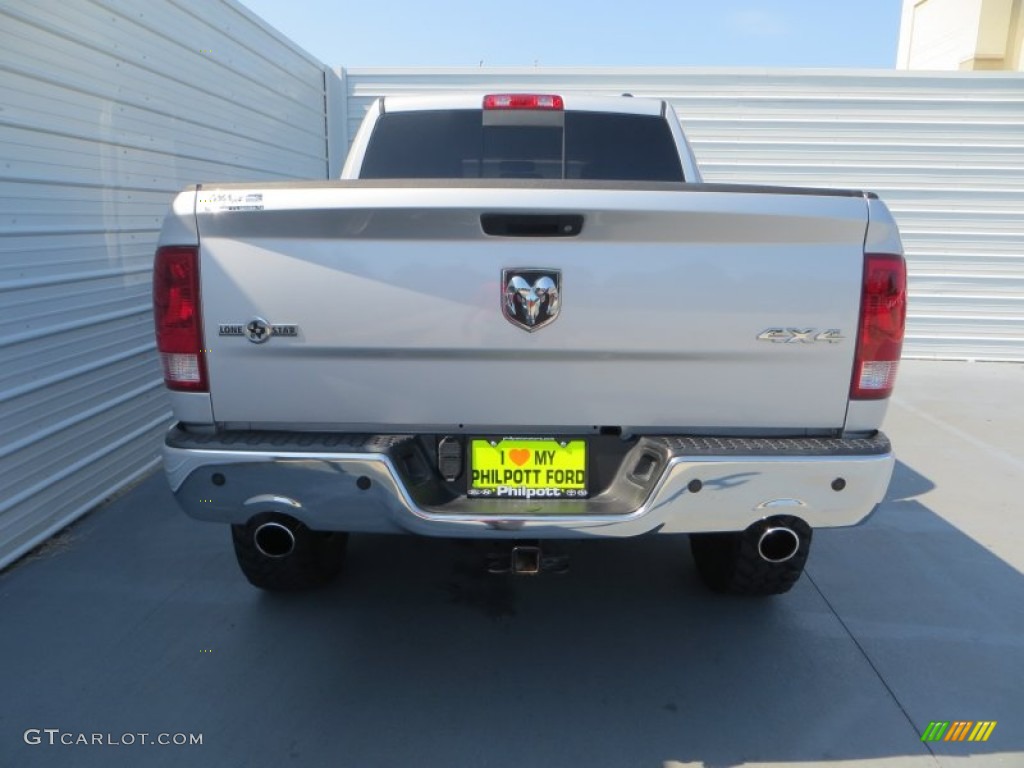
524, 317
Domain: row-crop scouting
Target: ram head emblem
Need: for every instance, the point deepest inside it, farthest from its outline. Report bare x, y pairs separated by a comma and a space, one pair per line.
532, 297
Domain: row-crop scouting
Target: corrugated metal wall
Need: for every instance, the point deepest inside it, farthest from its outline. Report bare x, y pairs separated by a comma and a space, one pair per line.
945, 151
108, 108
111, 106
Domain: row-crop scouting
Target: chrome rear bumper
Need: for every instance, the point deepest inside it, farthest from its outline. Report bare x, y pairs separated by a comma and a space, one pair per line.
386, 484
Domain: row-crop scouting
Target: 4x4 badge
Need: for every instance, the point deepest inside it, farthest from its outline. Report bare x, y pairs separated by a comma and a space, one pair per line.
532, 298
801, 335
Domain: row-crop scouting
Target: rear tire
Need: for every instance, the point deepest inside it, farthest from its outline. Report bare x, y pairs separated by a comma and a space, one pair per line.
316, 559
730, 563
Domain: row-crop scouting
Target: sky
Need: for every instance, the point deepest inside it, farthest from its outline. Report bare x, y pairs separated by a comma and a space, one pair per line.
589, 33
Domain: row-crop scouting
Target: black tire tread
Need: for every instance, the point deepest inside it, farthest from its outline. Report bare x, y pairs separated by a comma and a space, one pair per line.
316, 560
729, 562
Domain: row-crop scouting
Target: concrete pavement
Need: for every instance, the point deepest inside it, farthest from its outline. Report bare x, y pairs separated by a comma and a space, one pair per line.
136, 620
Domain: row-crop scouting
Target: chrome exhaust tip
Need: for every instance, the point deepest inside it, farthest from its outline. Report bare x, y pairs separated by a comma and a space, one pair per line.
274, 540
778, 544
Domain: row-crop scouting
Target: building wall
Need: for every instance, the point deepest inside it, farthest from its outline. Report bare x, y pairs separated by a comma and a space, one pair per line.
945, 151
961, 35
109, 107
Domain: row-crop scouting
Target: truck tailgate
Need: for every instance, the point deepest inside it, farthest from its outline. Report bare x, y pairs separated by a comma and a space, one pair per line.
396, 292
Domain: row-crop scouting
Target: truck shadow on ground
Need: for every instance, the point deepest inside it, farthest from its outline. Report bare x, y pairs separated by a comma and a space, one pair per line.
419, 657
628, 661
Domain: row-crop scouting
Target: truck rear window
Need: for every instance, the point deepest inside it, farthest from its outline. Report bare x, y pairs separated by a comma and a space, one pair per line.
455, 144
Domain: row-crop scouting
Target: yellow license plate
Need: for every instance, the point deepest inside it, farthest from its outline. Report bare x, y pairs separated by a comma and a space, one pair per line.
528, 469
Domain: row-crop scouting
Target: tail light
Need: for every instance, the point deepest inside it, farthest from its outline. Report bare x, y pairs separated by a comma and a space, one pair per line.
179, 329
883, 318
523, 101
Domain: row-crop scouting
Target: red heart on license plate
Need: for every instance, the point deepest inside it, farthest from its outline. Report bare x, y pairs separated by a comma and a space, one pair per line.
519, 456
